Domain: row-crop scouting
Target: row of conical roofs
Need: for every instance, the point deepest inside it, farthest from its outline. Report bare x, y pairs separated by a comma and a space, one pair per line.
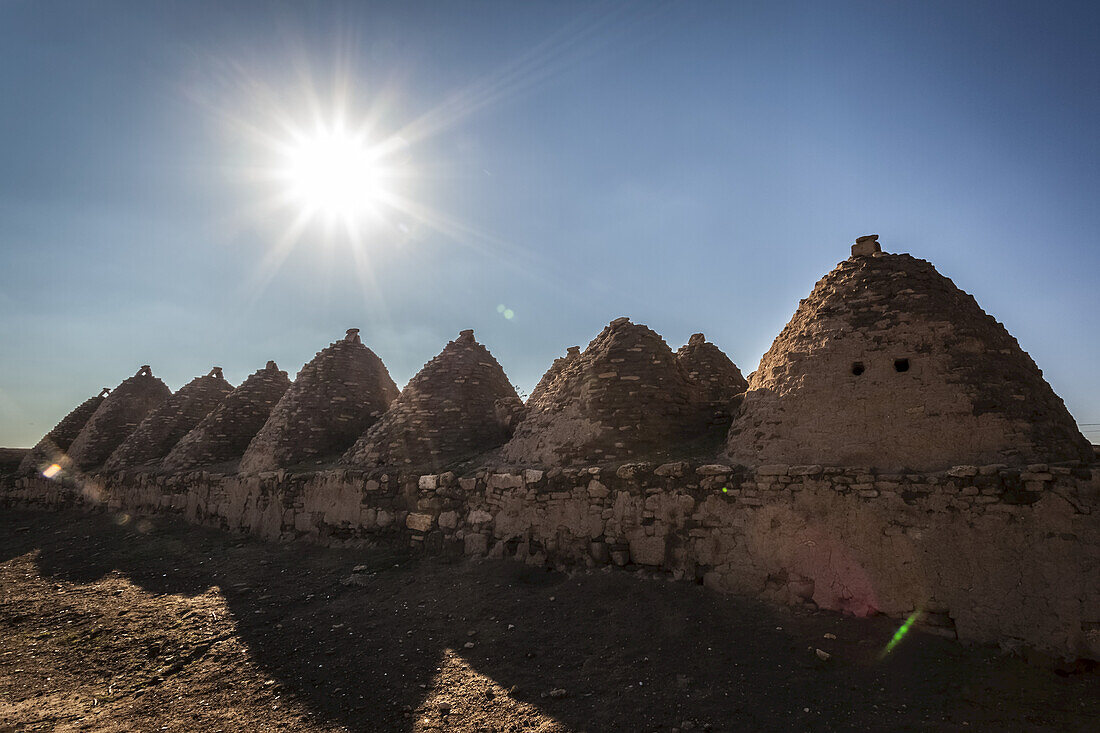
887, 364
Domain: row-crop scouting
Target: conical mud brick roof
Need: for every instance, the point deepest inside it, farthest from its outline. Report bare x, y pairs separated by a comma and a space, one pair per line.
225, 433
119, 414
889, 365
162, 428
459, 405
53, 446
625, 396
336, 397
719, 379
545, 387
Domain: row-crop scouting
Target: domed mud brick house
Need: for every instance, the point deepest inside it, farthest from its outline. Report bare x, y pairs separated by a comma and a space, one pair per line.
53, 446
625, 396
118, 416
887, 364
539, 393
159, 432
719, 379
338, 395
459, 405
224, 434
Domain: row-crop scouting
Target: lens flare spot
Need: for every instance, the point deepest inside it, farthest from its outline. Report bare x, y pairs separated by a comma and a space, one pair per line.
122, 519
501, 308
902, 632
509, 313
725, 490
52, 470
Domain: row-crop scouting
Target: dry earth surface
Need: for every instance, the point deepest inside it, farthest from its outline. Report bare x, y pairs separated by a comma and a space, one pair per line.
119, 623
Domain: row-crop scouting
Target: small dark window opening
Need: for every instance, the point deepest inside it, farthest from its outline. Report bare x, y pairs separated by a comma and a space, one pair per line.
857, 368
901, 365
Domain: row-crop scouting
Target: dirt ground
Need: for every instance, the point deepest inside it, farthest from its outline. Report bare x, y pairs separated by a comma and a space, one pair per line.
119, 623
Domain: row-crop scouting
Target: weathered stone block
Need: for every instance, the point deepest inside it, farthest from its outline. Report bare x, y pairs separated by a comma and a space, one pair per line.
478, 516
671, 470
811, 470
505, 481
419, 522
645, 550
597, 490
475, 544
772, 470
961, 471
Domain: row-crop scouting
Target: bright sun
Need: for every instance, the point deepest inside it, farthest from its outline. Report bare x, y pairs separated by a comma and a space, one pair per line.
335, 175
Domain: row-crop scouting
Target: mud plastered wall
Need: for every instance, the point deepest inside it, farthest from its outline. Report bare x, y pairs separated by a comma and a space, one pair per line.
985, 553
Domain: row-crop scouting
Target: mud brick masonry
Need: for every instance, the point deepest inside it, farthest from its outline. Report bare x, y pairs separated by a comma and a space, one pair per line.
894, 452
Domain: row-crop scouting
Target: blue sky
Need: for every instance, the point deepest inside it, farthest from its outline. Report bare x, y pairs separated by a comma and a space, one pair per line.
696, 166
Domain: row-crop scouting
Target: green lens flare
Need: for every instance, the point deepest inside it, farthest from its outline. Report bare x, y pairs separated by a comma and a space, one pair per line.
901, 632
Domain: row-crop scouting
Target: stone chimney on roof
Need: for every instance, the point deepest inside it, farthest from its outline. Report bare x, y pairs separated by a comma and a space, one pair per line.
271, 365
697, 339
467, 335
573, 351
106, 391
145, 371
866, 245
353, 336
215, 372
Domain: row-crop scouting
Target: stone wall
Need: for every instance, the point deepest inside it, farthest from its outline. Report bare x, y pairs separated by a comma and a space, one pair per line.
983, 552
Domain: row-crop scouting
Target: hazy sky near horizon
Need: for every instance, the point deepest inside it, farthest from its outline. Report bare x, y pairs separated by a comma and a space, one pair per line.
696, 166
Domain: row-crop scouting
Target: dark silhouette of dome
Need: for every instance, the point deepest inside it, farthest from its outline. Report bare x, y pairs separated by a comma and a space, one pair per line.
53, 446
459, 405
118, 416
224, 434
336, 397
162, 428
625, 396
720, 382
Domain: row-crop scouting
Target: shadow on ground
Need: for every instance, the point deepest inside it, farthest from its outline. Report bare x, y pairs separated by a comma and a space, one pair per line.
424, 644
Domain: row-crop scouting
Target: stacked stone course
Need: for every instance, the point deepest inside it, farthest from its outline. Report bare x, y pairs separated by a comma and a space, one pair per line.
162, 428
225, 433
54, 445
721, 383
335, 398
459, 405
626, 395
116, 417
542, 395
